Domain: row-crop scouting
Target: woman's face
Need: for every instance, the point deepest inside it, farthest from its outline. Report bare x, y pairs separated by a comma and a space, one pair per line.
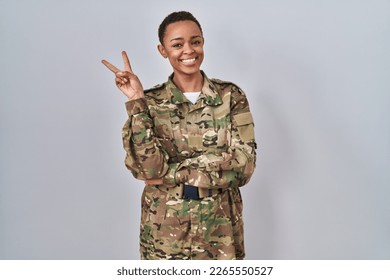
183, 46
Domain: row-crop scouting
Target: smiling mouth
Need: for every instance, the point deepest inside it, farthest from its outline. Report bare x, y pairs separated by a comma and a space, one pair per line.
189, 60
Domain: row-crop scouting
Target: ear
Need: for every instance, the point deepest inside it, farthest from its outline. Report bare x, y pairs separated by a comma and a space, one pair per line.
162, 51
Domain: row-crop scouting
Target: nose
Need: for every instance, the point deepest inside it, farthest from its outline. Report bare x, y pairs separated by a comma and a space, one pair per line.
188, 49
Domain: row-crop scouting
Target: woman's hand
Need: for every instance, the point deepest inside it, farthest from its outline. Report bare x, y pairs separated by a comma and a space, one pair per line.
125, 80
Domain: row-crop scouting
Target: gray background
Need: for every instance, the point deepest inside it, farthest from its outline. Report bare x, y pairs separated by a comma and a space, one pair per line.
316, 74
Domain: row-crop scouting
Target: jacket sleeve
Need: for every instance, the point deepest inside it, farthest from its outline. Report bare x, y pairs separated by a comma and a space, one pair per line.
145, 157
232, 168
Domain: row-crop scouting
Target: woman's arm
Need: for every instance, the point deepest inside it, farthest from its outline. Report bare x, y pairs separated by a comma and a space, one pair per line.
144, 158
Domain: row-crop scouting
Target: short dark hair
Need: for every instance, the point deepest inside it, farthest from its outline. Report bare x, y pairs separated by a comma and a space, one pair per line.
175, 17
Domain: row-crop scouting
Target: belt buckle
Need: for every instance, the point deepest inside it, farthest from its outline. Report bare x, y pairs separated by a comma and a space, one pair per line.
190, 192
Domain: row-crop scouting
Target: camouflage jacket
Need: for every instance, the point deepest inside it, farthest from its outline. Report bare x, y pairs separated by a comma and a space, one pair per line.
209, 144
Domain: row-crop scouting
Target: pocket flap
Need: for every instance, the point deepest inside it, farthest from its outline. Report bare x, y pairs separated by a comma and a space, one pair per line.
243, 119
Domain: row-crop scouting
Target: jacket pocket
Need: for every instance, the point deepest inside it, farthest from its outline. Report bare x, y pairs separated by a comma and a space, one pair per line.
245, 126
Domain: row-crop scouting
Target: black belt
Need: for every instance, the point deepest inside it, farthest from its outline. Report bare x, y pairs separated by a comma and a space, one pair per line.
191, 192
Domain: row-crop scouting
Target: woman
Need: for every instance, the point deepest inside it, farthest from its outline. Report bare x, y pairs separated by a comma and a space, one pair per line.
191, 140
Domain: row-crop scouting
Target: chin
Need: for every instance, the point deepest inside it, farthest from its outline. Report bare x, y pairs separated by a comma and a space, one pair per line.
183, 71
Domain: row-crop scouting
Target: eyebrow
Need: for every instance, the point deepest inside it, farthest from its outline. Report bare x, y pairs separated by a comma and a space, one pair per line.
181, 38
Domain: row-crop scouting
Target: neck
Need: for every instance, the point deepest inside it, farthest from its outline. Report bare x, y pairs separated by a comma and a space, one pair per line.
188, 83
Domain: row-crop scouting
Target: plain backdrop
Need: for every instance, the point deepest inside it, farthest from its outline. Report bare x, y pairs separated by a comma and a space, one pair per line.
316, 74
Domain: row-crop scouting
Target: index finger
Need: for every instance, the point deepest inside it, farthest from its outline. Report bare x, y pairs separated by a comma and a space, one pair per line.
126, 62
110, 66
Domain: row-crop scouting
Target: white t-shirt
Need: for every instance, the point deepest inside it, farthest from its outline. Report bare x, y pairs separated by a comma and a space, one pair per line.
192, 96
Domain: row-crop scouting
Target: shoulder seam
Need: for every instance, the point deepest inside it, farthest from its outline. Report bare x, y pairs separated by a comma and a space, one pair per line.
154, 88
218, 81
227, 84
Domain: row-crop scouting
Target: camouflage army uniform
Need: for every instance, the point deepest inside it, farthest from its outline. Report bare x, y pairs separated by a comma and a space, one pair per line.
210, 145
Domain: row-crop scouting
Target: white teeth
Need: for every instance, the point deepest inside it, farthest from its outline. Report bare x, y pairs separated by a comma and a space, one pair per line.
188, 60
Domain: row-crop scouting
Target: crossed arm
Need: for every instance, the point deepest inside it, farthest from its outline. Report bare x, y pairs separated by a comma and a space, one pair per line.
147, 159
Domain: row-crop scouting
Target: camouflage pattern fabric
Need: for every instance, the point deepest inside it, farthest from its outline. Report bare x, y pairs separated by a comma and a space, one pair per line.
173, 228
209, 144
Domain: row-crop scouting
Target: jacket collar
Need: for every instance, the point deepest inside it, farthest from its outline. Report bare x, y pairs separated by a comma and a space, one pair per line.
208, 96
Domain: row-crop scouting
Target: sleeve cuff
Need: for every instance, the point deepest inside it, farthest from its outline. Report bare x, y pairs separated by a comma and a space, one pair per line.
170, 177
136, 106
